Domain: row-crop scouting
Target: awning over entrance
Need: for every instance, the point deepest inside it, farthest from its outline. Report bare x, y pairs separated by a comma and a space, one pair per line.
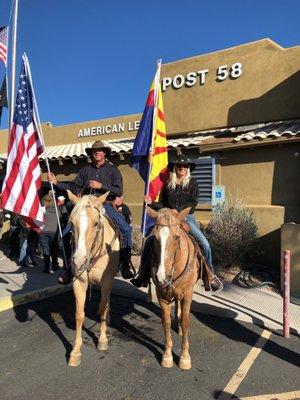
253, 133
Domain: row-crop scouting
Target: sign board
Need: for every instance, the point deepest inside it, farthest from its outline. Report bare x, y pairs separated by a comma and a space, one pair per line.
218, 195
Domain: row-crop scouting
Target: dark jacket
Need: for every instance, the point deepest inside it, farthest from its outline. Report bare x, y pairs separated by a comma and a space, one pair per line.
107, 174
180, 198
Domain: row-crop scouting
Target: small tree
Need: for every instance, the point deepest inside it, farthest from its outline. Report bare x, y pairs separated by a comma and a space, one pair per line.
232, 233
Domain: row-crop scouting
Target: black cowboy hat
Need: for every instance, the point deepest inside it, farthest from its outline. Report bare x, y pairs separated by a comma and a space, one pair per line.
181, 160
98, 145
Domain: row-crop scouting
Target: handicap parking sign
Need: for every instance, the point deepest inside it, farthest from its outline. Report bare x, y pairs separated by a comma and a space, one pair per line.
218, 195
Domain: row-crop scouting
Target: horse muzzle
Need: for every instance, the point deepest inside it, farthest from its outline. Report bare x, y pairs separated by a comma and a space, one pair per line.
166, 282
79, 266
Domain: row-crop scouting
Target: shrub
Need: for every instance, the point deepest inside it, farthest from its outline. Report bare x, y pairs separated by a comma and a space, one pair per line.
137, 240
232, 233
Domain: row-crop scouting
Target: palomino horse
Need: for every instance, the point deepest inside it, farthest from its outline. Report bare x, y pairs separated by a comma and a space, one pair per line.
96, 253
174, 273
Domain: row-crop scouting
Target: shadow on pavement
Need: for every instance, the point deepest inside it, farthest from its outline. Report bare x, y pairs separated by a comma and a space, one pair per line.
60, 309
239, 332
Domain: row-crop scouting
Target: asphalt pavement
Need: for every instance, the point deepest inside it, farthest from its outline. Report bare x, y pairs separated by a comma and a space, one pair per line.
37, 337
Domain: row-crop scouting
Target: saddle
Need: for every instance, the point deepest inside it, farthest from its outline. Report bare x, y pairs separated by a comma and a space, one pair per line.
204, 271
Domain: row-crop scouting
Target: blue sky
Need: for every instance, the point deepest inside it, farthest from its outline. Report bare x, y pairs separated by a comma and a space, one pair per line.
93, 59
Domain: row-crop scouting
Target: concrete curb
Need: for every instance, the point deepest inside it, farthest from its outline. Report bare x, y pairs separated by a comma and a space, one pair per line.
31, 296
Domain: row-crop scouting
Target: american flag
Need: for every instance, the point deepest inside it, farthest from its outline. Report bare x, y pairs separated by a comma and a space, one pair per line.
23, 174
3, 43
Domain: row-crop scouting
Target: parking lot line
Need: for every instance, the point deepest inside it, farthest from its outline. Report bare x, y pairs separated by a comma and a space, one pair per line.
274, 396
243, 369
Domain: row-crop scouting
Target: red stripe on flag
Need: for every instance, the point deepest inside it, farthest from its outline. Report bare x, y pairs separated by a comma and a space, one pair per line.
35, 206
157, 183
12, 138
160, 114
150, 99
26, 184
161, 134
160, 150
14, 171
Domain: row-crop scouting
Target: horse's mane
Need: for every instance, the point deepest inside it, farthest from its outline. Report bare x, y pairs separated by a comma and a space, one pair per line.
166, 216
84, 202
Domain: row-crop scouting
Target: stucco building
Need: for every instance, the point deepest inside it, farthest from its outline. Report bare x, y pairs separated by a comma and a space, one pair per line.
235, 112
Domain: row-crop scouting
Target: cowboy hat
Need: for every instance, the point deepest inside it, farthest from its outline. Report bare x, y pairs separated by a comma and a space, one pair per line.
181, 160
98, 145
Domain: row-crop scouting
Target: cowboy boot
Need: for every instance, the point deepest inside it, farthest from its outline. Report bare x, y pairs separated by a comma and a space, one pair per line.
126, 265
144, 275
210, 280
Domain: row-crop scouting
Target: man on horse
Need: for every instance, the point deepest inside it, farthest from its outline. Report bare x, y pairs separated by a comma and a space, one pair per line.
98, 178
179, 193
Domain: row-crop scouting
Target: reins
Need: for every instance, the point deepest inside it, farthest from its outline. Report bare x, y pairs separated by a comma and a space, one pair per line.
91, 259
171, 286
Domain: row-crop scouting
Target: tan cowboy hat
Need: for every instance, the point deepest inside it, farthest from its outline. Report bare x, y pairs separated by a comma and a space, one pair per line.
181, 160
99, 145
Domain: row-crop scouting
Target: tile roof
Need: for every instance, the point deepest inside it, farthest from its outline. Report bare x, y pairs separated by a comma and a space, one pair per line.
257, 132
271, 131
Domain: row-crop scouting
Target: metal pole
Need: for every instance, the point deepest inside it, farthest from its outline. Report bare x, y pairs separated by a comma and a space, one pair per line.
13, 65
286, 297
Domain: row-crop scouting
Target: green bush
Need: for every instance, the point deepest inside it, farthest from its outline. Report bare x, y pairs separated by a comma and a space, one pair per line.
137, 240
232, 233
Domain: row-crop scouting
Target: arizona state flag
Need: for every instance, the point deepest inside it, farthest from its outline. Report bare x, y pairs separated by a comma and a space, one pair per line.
149, 155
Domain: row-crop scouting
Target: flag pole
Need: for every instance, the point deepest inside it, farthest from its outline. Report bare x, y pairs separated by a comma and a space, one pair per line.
156, 85
13, 65
41, 137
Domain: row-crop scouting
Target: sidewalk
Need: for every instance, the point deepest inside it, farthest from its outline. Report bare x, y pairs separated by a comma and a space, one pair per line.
19, 285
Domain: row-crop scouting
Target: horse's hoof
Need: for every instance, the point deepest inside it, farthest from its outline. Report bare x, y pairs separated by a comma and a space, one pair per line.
185, 363
102, 346
74, 360
167, 362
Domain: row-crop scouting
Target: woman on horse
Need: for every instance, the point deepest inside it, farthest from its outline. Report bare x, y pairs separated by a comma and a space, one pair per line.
180, 192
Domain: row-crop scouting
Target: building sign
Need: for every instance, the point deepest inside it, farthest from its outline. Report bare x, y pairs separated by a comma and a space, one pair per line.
218, 195
192, 78
109, 128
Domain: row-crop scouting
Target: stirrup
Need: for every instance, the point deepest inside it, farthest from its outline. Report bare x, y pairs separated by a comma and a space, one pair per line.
220, 285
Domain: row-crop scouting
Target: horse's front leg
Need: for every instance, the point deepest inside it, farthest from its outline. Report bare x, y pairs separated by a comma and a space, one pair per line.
185, 359
104, 314
167, 359
177, 317
79, 289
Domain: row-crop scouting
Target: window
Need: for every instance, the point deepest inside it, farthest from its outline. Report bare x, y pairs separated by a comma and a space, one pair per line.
204, 173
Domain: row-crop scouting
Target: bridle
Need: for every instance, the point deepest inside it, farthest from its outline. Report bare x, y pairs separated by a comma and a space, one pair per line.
92, 259
187, 268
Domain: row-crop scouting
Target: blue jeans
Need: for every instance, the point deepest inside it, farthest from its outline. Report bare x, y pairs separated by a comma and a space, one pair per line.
121, 223
49, 244
201, 239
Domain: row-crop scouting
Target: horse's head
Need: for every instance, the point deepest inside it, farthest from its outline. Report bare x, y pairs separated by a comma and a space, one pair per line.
166, 233
86, 219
